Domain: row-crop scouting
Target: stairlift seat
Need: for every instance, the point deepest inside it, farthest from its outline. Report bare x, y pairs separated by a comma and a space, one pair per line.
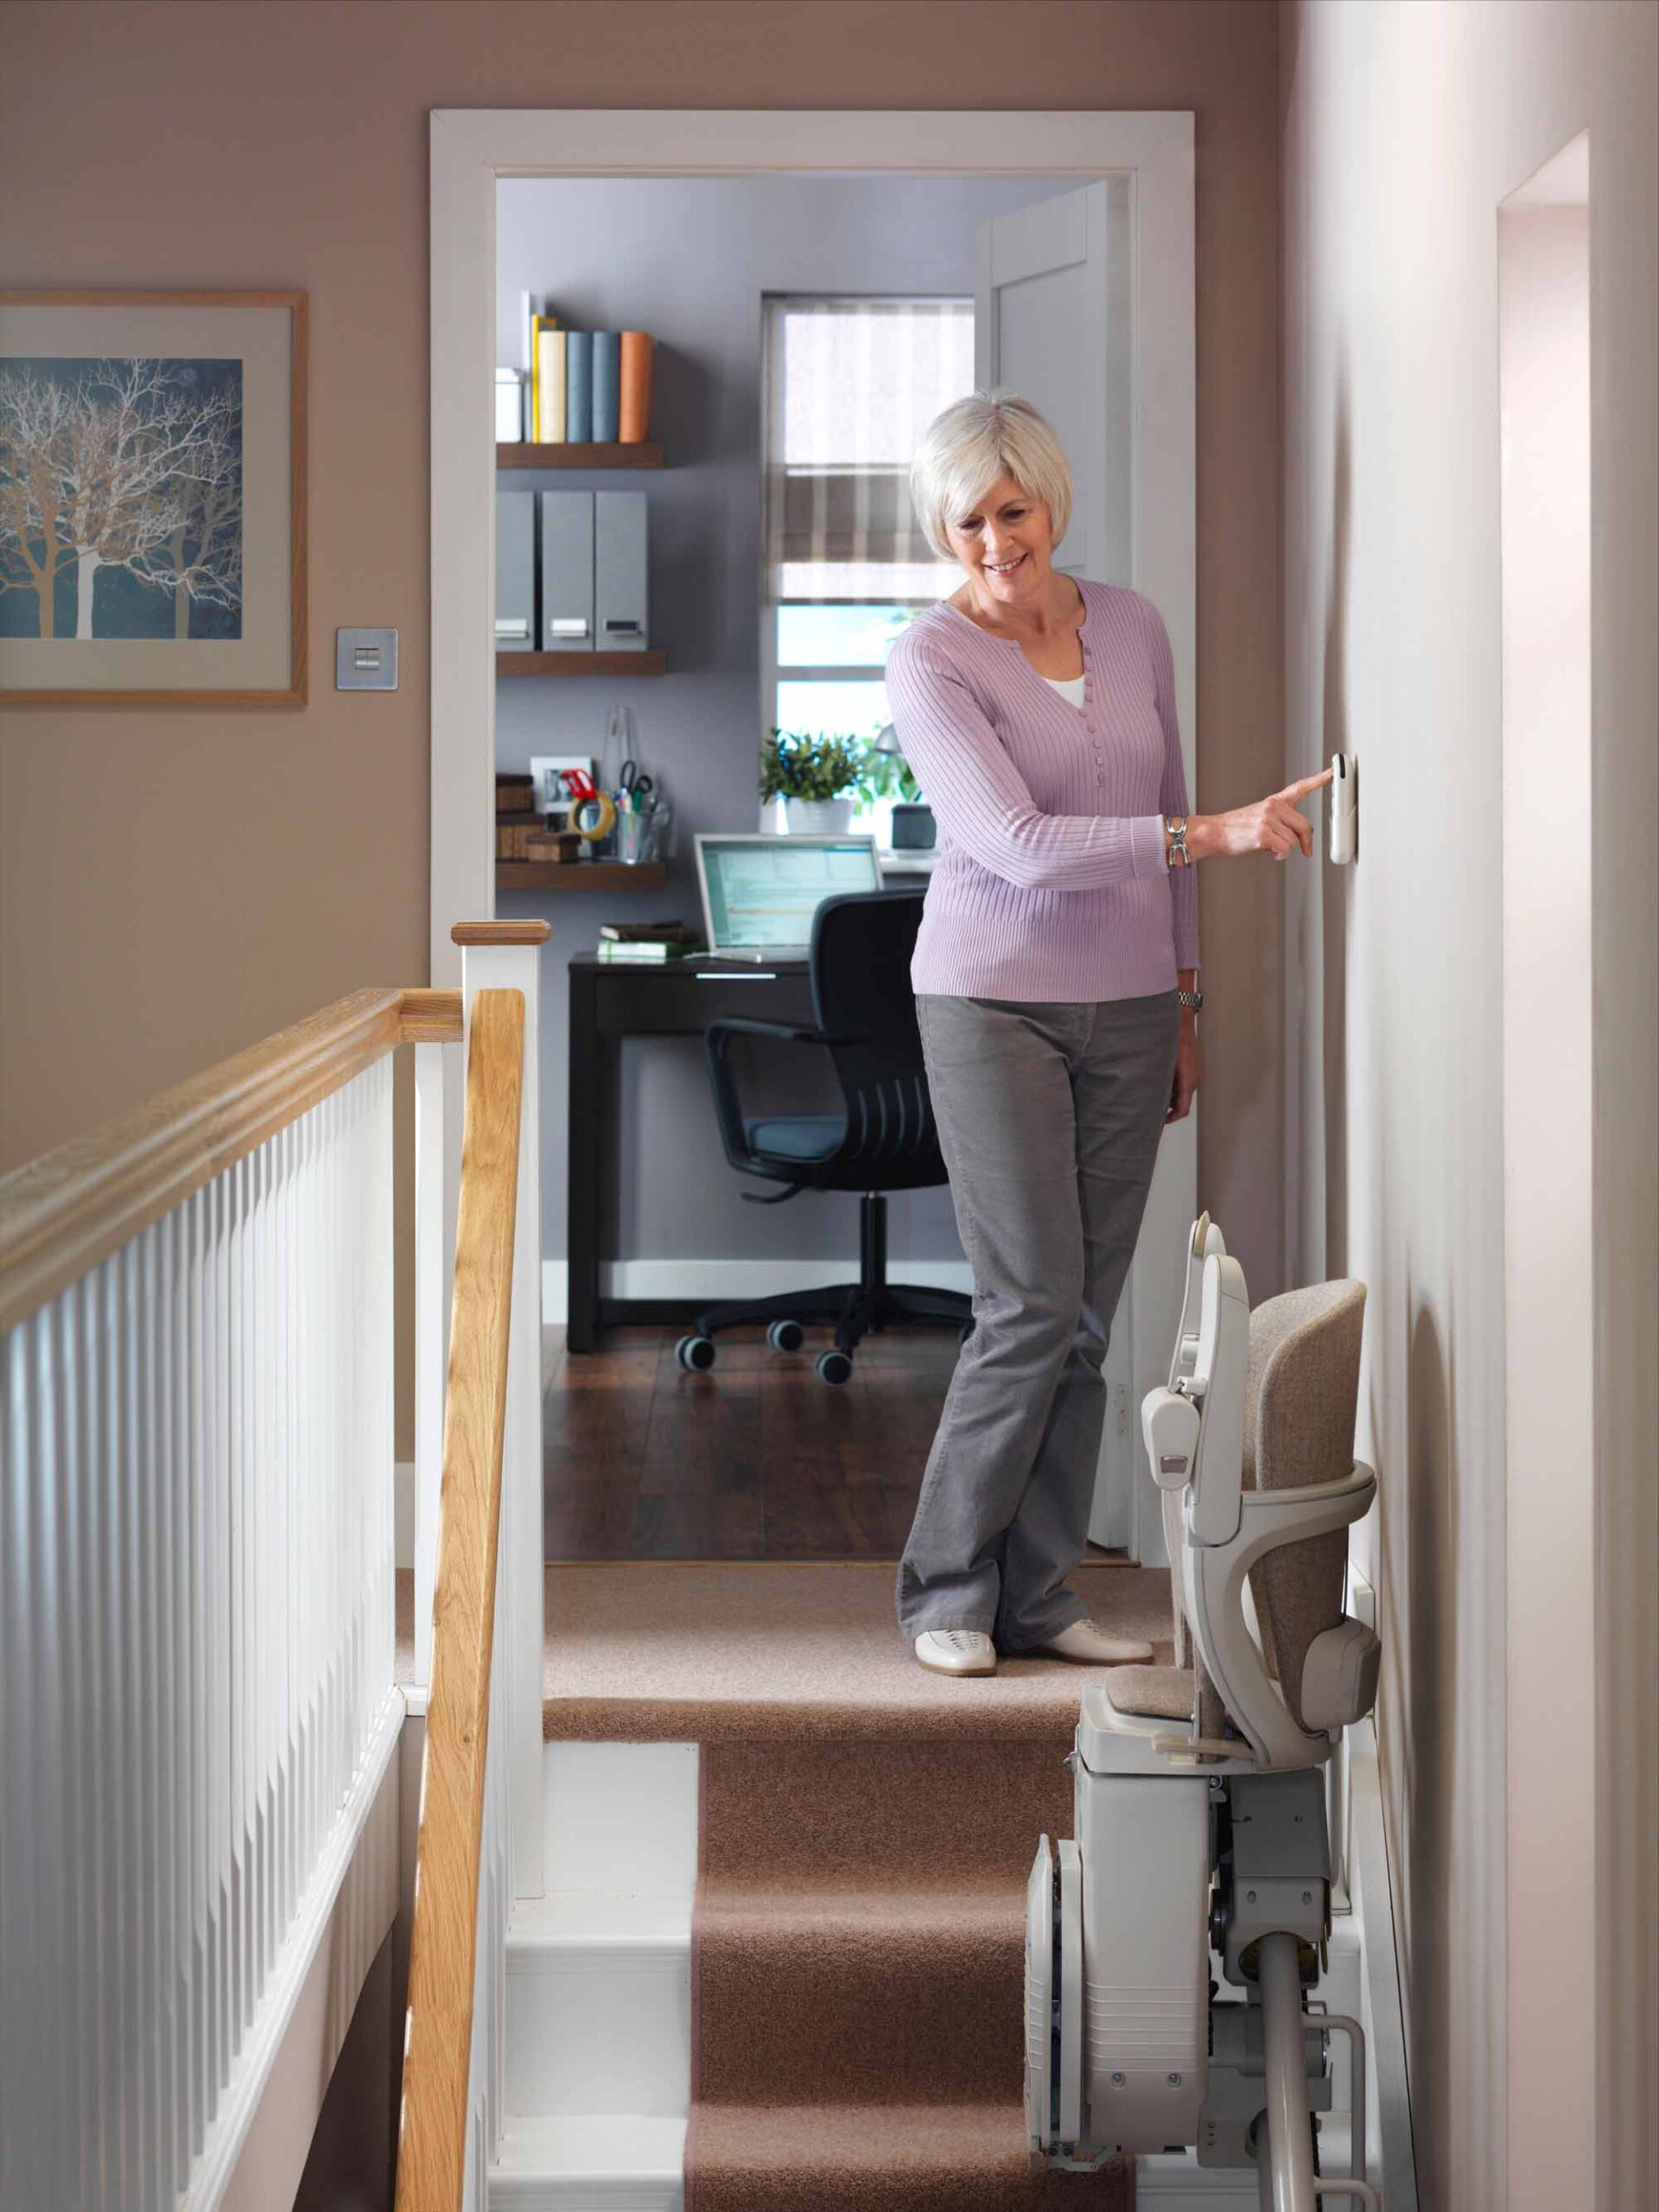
1152, 1693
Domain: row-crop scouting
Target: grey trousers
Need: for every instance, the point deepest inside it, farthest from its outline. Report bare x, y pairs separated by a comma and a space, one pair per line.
1049, 1117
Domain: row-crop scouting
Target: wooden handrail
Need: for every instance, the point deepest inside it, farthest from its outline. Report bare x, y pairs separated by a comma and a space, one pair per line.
61, 1214
432, 2135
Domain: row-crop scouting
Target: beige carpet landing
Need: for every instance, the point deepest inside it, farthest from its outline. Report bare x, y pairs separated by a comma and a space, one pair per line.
866, 1833
670, 1653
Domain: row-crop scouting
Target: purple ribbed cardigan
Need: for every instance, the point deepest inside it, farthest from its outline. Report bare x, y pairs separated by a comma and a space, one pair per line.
1049, 882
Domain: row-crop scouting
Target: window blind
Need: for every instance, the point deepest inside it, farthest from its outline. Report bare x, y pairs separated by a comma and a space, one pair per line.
851, 385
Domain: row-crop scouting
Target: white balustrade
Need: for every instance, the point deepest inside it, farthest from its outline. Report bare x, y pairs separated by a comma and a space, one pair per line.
196, 1641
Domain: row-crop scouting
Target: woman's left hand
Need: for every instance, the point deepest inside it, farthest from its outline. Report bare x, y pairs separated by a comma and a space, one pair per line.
1189, 1071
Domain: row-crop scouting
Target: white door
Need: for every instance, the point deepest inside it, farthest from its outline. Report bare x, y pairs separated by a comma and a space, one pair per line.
1054, 321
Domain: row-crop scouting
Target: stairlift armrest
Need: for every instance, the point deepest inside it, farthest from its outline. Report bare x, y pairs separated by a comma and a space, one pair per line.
1271, 1517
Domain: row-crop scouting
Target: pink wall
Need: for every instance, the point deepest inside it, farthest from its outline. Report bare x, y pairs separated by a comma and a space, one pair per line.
175, 885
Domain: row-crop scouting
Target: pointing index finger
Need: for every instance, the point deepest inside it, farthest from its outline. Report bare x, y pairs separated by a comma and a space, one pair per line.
1303, 784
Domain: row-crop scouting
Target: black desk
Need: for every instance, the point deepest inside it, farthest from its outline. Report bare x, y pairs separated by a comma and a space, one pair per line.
609, 1001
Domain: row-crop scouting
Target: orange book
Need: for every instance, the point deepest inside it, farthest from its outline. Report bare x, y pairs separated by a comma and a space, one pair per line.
634, 417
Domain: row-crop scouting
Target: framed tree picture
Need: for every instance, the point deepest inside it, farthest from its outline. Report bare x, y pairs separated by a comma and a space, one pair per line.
152, 499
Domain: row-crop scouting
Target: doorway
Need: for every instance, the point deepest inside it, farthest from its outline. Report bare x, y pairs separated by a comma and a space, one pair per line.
1140, 449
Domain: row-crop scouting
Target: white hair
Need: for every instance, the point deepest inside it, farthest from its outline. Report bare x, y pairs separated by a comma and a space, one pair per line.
975, 441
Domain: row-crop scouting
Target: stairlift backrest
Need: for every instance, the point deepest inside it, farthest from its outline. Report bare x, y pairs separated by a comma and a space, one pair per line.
1300, 1397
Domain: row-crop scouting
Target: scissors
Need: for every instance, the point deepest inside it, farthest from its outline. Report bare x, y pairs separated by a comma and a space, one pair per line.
636, 786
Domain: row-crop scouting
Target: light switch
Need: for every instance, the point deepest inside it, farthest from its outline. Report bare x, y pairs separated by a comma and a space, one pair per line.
366, 660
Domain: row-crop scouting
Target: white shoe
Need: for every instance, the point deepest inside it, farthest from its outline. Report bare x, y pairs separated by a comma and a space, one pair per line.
1088, 1642
957, 1651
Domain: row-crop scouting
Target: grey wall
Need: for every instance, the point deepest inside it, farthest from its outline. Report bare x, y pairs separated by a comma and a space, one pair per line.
689, 259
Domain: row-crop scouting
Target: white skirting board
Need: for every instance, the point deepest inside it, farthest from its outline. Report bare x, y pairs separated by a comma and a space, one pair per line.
255, 2153
713, 1281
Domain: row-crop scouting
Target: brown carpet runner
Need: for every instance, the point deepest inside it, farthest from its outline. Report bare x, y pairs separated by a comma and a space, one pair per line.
866, 1830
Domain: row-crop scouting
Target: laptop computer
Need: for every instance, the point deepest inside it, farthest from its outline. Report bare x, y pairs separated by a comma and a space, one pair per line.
761, 892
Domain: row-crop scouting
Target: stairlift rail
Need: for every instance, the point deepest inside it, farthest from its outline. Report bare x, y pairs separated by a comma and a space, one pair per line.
1289, 2126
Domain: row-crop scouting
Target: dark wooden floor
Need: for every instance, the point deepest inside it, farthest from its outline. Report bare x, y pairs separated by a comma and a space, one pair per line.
756, 1459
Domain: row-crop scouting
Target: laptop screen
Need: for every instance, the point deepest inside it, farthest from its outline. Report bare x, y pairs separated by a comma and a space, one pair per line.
766, 890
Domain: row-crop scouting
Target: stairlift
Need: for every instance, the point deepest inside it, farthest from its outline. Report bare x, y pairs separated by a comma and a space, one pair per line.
1200, 1788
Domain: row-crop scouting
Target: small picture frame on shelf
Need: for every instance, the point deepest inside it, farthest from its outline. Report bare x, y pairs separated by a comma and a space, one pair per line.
551, 795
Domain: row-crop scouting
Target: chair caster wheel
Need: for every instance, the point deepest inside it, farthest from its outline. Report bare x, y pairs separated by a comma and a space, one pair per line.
694, 1353
834, 1366
785, 1335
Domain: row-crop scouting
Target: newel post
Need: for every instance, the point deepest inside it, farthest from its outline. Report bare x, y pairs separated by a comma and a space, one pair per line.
506, 955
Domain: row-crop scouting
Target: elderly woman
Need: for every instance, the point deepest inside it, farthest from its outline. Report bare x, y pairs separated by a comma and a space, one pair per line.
1056, 979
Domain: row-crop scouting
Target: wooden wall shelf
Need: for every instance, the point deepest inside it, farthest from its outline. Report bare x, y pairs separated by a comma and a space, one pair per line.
647, 664
643, 454
580, 875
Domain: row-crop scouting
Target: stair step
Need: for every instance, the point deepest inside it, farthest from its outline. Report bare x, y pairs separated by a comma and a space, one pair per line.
888, 1997
604, 1922
620, 1816
928, 2158
622, 2163
599, 2005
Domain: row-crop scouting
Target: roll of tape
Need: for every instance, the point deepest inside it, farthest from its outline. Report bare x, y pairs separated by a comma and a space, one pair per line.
597, 817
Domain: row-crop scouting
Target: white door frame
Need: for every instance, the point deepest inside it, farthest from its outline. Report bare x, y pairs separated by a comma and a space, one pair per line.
472, 148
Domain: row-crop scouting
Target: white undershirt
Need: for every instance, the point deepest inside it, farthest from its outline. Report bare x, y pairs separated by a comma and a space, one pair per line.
1068, 687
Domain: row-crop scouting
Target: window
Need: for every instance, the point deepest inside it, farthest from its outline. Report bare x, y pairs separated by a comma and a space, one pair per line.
850, 386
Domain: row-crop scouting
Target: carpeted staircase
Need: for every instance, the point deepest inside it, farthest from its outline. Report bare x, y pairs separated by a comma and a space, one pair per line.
865, 1832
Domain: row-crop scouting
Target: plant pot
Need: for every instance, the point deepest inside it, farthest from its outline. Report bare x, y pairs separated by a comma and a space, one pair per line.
775, 823
819, 817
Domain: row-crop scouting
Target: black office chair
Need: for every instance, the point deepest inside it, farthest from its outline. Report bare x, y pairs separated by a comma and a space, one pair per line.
882, 1140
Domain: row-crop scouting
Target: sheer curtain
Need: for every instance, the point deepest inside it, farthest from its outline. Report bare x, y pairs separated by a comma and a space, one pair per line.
851, 384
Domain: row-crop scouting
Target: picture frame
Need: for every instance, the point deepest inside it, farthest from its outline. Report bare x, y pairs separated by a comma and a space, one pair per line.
153, 499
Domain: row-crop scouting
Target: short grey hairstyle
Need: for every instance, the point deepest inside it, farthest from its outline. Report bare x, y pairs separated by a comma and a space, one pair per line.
964, 451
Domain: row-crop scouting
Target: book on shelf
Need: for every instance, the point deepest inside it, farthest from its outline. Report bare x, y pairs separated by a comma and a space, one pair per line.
608, 385
579, 386
538, 323
650, 932
644, 955
633, 405
549, 381
648, 941
622, 933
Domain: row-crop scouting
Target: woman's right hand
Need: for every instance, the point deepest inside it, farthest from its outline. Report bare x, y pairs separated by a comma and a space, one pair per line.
1276, 824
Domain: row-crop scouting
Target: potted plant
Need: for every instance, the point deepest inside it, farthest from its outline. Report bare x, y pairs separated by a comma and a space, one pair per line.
817, 778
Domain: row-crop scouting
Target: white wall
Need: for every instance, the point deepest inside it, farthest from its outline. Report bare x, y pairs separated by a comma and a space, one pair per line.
1406, 125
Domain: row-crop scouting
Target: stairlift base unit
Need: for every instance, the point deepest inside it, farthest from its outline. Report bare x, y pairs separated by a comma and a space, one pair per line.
1191, 1849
